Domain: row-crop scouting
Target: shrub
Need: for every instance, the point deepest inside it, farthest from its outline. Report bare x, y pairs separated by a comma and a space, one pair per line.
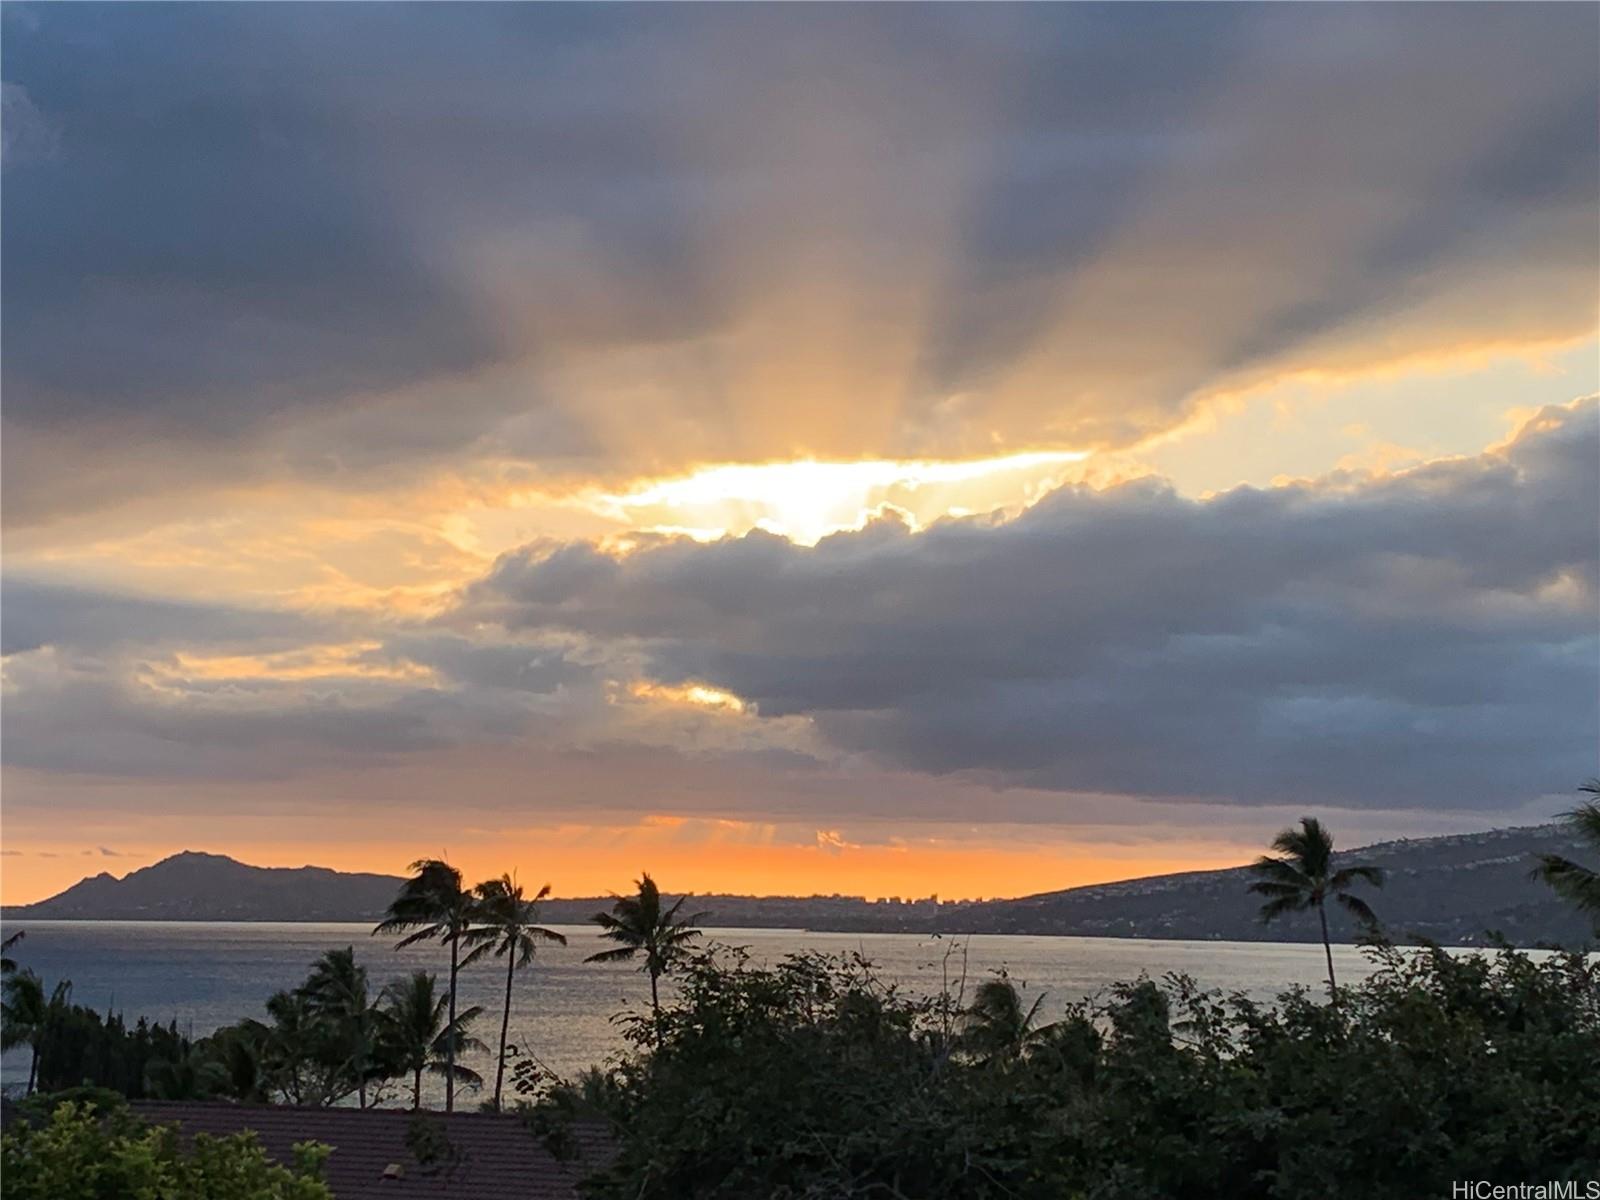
812, 1078
83, 1153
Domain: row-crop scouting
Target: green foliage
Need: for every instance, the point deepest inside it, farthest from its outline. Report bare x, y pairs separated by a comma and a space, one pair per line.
88, 1154
813, 1078
508, 926
1302, 877
430, 905
641, 926
76, 1046
416, 1037
1575, 882
327, 1041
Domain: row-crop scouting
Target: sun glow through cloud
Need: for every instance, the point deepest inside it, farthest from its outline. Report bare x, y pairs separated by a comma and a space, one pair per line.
806, 500
426, 468
697, 694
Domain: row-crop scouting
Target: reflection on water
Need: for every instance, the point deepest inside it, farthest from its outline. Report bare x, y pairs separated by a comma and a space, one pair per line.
208, 974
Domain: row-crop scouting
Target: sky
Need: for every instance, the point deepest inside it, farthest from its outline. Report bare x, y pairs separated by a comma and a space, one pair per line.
890, 450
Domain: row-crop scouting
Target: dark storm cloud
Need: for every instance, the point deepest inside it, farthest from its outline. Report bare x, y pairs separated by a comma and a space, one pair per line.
36, 613
478, 663
1423, 639
97, 684
130, 715
225, 223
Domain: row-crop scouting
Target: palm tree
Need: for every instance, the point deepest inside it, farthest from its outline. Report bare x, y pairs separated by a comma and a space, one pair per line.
1304, 878
433, 904
288, 1049
336, 992
996, 1026
8, 965
242, 1052
193, 1075
508, 928
417, 1038
1573, 881
639, 923
26, 1014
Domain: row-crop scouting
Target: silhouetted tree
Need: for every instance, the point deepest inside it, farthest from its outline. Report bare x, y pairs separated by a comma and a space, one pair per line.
996, 1026
193, 1074
7, 964
1303, 877
302, 1061
507, 927
433, 904
640, 925
336, 993
418, 1037
26, 1015
1573, 881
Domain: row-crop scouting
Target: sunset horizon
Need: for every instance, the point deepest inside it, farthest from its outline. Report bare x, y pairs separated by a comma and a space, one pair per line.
929, 452
619, 601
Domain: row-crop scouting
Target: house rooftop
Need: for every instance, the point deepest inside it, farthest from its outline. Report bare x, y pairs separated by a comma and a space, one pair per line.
394, 1154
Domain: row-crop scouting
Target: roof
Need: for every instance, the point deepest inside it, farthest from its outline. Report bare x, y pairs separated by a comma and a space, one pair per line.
481, 1156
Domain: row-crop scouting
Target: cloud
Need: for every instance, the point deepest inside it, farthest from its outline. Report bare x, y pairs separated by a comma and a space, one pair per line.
263, 247
40, 613
1420, 639
25, 133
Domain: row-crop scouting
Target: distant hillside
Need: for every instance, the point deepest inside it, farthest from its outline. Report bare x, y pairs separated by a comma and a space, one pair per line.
1450, 889
212, 887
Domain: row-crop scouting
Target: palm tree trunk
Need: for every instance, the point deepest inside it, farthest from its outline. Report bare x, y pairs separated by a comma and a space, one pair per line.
505, 1024
655, 997
416, 1090
33, 1066
1327, 949
450, 1038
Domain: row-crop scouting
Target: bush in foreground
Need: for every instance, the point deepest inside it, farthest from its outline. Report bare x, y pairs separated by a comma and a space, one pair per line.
85, 1154
813, 1078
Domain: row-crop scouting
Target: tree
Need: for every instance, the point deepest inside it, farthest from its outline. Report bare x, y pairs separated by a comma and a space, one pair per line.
508, 928
810, 1077
193, 1075
639, 924
433, 904
85, 1154
1303, 878
336, 992
995, 1027
8, 965
240, 1051
290, 1050
1573, 881
27, 1014
417, 1037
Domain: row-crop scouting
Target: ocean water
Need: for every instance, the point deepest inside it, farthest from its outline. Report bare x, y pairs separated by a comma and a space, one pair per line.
208, 974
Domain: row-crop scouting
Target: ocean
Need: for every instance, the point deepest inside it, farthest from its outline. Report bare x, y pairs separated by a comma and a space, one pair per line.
208, 974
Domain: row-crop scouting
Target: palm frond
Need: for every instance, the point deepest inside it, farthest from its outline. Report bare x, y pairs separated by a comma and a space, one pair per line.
1279, 870
1267, 887
1345, 876
620, 954
1572, 881
1585, 822
1358, 907
1308, 847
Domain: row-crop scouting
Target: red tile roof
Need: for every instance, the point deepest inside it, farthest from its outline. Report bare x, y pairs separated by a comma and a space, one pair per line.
484, 1156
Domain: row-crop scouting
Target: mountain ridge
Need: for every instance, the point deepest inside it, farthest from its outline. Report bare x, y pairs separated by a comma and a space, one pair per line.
1457, 888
